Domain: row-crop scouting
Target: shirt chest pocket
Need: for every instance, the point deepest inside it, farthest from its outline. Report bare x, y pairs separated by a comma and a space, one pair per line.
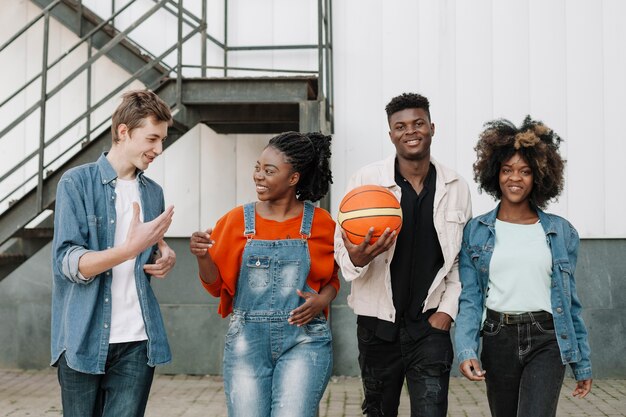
258, 271
455, 221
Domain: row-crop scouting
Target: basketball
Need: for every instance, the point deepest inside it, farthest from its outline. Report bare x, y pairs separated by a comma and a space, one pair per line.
369, 206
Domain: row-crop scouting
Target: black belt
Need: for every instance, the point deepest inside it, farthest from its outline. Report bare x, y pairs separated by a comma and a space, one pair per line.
523, 318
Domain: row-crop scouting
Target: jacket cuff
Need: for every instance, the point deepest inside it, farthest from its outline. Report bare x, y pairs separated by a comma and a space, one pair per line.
70, 265
466, 354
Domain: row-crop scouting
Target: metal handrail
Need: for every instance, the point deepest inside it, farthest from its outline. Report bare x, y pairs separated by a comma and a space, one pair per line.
184, 18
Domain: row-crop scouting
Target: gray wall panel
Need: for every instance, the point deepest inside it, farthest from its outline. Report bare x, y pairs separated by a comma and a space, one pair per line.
196, 331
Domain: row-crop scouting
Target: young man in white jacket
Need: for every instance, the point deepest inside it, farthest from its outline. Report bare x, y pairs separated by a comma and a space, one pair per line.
405, 288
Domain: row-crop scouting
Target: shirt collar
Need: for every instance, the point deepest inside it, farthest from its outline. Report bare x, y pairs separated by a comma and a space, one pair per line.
108, 174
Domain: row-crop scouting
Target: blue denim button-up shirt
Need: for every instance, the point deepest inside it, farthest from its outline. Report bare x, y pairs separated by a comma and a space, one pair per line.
474, 259
84, 221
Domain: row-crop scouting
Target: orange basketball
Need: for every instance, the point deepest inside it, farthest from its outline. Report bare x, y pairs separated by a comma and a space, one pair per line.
369, 206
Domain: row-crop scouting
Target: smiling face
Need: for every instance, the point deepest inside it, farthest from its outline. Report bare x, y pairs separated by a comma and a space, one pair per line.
141, 145
411, 132
516, 180
274, 178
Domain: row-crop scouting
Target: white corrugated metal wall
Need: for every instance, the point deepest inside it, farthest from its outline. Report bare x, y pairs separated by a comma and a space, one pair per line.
561, 61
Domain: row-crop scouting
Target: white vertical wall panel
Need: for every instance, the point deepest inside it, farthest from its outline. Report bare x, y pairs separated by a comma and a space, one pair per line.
614, 65
179, 173
548, 84
358, 84
474, 83
585, 118
439, 82
218, 168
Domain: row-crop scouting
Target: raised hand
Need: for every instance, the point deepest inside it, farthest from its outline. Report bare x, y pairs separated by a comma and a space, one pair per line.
141, 236
200, 242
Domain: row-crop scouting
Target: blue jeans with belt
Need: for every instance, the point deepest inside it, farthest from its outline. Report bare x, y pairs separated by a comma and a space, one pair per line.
272, 368
523, 364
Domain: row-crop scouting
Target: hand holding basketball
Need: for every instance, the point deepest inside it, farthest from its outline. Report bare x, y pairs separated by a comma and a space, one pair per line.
363, 253
370, 217
369, 209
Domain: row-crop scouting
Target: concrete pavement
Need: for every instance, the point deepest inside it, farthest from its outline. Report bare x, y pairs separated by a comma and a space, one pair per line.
36, 393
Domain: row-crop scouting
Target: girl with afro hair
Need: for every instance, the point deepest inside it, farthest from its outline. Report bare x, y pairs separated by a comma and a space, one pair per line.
517, 266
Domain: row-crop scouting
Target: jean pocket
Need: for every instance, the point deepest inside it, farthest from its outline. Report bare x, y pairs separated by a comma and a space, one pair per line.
364, 334
258, 271
317, 327
546, 327
491, 328
289, 272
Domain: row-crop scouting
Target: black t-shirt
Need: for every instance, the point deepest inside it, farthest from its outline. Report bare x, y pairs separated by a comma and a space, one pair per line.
416, 260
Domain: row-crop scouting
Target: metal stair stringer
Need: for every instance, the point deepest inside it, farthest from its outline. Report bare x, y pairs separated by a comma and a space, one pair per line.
127, 55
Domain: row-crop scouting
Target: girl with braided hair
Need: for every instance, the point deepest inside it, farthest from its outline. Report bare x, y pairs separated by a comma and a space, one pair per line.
271, 263
517, 267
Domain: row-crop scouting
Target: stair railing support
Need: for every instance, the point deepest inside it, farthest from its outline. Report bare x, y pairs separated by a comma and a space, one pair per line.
42, 110
179, 58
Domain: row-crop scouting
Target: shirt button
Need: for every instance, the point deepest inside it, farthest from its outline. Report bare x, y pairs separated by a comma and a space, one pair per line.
563, 336
106, 326
112, 221
391, 315
108, 272
559, 309
386, 261
113, 182
106, 300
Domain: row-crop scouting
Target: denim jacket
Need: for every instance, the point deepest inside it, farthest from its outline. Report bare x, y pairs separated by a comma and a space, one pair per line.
84, 221
474, 259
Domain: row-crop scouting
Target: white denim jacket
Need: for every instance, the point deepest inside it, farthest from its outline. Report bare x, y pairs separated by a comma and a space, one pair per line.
371, 293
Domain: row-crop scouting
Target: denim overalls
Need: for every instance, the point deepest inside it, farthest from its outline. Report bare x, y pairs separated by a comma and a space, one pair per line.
272, 368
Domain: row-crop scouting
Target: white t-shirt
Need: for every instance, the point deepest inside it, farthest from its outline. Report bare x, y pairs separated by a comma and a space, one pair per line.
520, 271
126, 319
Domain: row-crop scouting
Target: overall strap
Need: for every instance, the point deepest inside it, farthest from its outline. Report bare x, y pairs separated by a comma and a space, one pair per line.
248, 220
307, 219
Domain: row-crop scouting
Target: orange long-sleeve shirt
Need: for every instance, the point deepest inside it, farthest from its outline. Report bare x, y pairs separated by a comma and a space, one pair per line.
229, 245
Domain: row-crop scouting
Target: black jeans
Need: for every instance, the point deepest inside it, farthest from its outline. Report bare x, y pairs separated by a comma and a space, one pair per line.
524, 368
424, 362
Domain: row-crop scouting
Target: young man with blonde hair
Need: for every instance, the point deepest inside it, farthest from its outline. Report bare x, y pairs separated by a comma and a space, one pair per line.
109, 223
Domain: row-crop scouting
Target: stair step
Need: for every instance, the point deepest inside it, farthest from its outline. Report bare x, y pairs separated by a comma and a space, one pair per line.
36, 233
12, 258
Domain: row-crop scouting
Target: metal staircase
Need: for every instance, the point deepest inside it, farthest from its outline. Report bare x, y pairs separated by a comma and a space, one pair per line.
288, 99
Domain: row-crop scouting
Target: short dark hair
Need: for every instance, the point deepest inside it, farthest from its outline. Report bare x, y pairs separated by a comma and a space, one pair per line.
309, 154
536, 142
408, 101
137, 105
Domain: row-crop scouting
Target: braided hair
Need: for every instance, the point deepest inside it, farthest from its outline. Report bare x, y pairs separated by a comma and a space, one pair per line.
536, 142
308, 154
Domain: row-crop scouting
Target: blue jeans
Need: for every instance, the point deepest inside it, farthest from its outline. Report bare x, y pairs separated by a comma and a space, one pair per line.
425, 363
121, 392
272, 368
524, 368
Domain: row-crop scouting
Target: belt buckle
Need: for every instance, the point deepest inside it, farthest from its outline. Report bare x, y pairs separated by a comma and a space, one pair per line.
506, 318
